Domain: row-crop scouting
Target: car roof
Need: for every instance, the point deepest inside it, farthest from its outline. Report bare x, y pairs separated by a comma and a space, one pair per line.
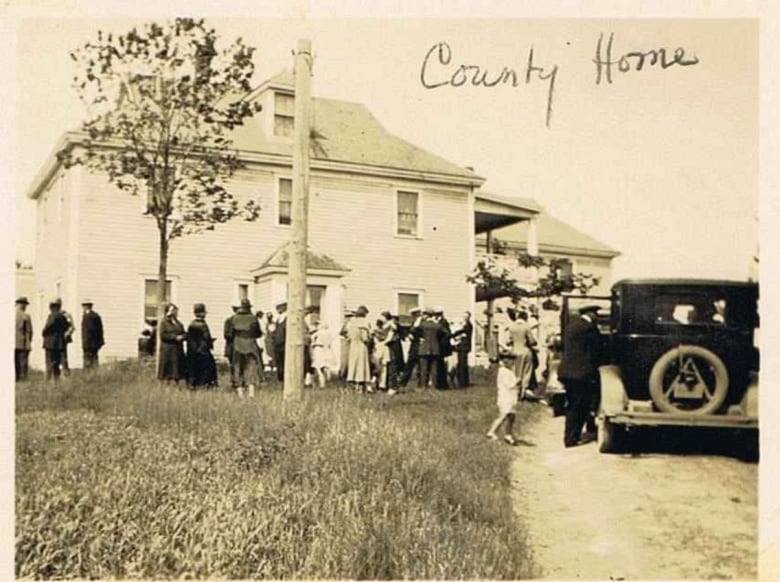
686, 282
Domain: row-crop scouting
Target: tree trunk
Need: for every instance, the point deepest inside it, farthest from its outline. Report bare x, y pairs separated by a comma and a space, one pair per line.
162, 276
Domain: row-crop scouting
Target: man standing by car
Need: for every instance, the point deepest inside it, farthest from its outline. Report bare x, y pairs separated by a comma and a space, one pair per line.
91, 335
579, 371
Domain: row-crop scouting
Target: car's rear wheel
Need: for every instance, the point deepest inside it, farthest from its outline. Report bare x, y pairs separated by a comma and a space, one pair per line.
689, 379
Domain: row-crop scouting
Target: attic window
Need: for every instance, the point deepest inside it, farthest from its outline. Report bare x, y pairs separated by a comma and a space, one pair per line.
284, 114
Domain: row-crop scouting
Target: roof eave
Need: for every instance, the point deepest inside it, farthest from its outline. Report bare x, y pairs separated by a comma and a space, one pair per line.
269, 270
365, 169
51, 164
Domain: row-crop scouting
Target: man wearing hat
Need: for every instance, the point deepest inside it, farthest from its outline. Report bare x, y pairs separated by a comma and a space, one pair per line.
24, 332
579, 371
91, 335
246, 355
227, 335
431, 333
201, 367
54, 342
279, 336
413, 357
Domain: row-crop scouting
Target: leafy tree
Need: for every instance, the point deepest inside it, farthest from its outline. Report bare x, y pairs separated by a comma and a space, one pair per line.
161, 103
494, 280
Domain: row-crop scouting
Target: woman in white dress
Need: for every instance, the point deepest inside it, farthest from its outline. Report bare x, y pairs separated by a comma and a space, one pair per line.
321, 353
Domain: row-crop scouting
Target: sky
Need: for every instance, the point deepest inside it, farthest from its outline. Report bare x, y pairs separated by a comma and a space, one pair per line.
661, 163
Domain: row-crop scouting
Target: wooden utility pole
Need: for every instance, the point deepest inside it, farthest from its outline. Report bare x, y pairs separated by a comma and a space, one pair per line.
296, 283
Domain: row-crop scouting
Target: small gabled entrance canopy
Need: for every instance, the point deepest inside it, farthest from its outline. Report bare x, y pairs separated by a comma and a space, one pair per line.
317, 264
492, 211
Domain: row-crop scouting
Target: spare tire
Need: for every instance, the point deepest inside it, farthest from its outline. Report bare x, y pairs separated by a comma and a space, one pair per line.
689, 379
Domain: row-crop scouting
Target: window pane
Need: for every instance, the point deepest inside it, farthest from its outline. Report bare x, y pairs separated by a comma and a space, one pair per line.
407, 302
285, 200
285, 213
284, 104
283, 125
407, 213
285, 189
150, 297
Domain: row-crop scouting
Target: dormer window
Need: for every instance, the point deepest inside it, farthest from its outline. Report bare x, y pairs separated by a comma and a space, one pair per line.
284, 114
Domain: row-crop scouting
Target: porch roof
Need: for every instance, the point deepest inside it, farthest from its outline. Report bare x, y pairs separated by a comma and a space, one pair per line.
492, 211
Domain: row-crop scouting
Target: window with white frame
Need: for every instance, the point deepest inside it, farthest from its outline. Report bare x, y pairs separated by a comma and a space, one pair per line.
314, 298
243, 292
407, 213
284, 201
150, 297
407, 300
284, 114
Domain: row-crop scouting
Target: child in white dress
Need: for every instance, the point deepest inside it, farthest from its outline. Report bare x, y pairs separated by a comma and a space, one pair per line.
508, 387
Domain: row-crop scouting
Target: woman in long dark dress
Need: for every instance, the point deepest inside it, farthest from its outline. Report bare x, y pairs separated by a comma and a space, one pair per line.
201, 367
173, 365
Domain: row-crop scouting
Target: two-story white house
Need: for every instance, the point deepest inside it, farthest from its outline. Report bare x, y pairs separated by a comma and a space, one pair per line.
391, 226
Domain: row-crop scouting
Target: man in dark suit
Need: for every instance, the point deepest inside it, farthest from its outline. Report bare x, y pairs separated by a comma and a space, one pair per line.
413, 357
445, 349
54, 342
246, 354
430, 347
91, 335
24, 333
579, 371
227, 335
463, 348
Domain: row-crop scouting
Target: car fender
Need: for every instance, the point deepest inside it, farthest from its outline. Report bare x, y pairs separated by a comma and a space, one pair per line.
613, 393
749, 402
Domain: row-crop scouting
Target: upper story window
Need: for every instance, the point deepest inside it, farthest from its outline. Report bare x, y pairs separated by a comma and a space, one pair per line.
407, 213
285, 201
284, 114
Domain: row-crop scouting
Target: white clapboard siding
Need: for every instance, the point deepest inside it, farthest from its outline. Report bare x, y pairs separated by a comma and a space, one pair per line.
351, 219
53, 259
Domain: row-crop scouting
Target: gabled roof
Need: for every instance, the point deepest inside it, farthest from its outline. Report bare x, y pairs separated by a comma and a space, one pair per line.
347, 132
555, 236
343, 133
279, 261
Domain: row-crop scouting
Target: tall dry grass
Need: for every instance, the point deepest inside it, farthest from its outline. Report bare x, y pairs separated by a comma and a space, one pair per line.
117, 477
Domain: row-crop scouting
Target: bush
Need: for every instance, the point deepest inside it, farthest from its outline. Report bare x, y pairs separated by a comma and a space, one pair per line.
119, 477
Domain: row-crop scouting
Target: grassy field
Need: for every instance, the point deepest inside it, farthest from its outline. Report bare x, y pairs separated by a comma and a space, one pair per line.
117, 477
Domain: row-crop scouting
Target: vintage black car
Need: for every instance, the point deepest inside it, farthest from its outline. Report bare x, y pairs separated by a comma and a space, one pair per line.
678, 352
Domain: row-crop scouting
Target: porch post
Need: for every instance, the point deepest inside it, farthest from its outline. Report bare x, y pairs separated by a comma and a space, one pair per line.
490, 340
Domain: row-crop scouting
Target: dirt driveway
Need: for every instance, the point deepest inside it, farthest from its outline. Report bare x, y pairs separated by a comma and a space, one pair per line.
669, 511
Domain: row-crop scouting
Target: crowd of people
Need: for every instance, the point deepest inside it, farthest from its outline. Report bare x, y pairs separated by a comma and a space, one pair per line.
57, 335
380, 355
